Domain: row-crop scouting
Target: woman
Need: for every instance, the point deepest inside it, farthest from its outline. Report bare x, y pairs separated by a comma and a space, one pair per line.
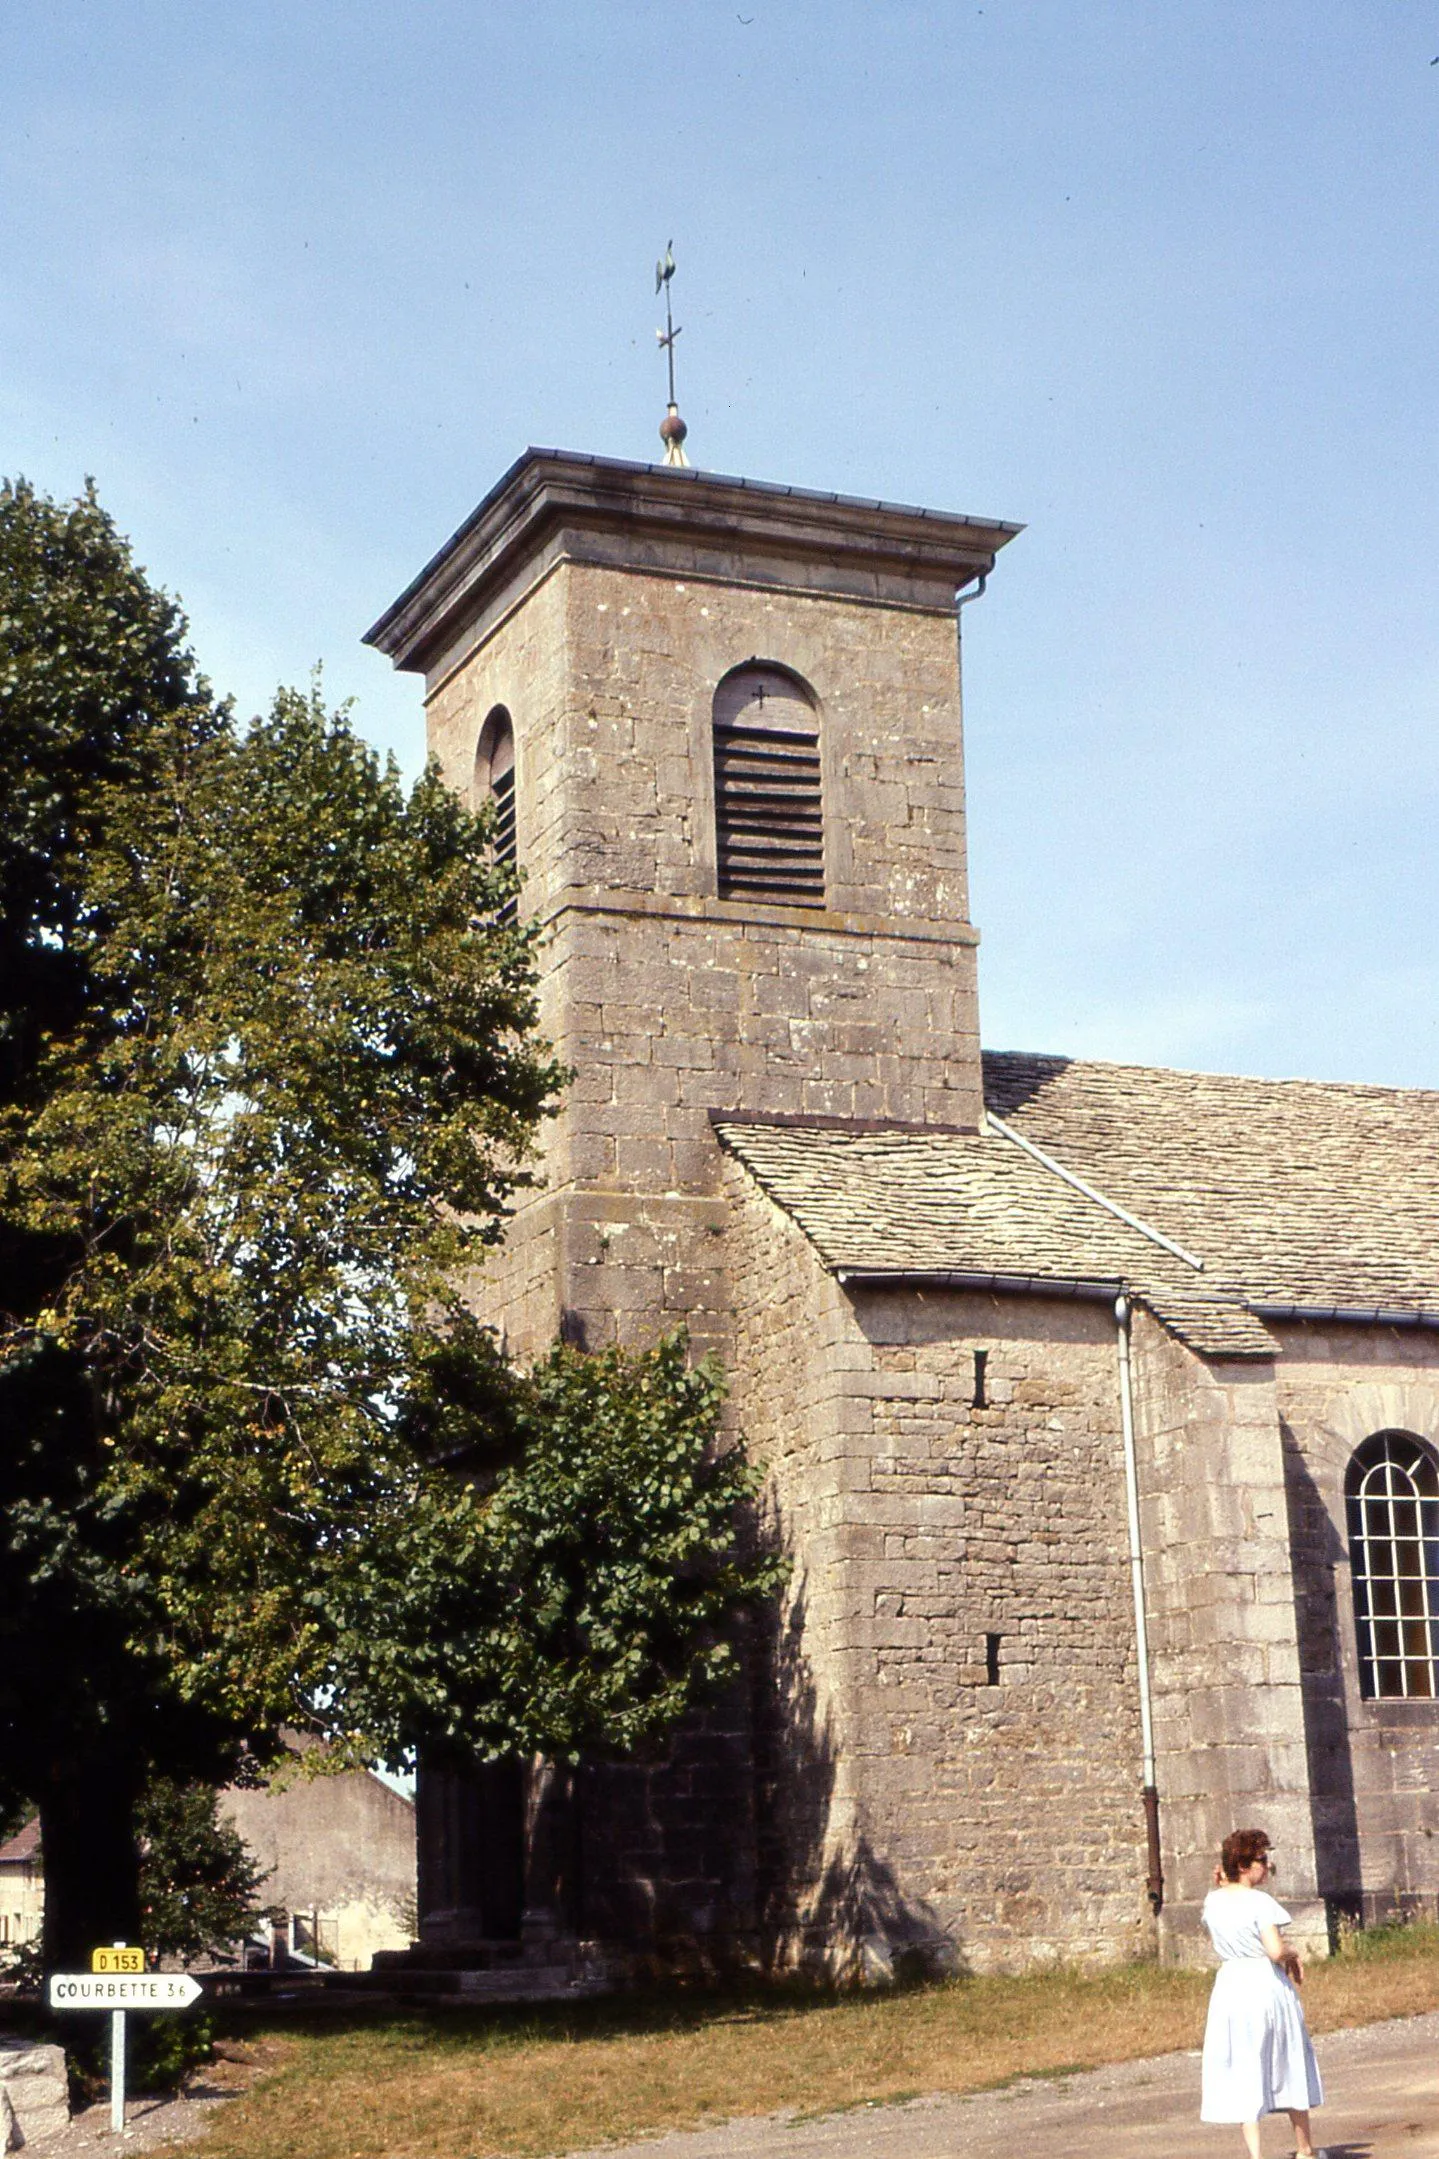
1257, 2056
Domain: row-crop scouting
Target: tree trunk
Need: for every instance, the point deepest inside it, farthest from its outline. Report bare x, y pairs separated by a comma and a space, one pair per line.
92, 1866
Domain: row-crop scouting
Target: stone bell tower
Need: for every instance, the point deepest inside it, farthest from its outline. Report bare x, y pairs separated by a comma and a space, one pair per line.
722, 721
721, 725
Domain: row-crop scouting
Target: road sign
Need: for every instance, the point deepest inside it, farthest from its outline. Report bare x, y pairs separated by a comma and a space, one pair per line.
119, 1982
123, 1990
117, 1960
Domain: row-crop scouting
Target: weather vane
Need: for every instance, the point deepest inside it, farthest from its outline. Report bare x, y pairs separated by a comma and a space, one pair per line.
672, 427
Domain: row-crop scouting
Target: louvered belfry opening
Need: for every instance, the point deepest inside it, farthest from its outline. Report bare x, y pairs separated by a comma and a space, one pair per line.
495, 782
769, 821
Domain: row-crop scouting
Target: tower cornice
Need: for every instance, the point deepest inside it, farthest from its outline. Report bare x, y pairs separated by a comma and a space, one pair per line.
558, 504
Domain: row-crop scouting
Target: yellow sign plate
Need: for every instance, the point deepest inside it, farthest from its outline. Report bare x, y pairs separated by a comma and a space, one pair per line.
117, 1960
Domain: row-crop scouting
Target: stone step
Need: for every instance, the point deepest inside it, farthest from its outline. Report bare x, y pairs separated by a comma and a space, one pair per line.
526, 1983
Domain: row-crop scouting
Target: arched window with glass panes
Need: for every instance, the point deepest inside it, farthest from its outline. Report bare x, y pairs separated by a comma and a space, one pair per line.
495, 782
1392, 1491
769, 814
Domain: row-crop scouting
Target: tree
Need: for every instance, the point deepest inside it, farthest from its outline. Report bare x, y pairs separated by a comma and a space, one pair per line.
268, 1083
199, 1884
578, 1601
95, 684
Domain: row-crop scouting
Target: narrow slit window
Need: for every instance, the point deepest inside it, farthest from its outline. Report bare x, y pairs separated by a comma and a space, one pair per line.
991, 1659
981, 1366
769, 816
495, 782
1392, 1493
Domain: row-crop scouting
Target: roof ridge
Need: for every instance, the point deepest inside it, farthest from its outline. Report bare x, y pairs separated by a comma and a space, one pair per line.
817, 1121
1092, 1192
1061, 1063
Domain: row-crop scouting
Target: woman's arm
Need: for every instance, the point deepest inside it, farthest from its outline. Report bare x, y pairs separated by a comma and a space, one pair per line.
1278, 1952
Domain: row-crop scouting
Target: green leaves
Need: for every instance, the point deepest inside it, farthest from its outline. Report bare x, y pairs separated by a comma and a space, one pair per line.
92, 661
269, 1083
296, 1108
584, 1600
199, 1885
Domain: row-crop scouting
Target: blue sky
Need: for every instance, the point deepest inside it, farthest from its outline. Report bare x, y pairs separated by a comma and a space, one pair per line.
296, 283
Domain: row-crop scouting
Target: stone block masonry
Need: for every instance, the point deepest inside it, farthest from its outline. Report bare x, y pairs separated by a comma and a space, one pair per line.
667, 1002
941, 1745
943, 1732
1228, 1703
1373, 1764
945, 1728
670, 1004
955, 1730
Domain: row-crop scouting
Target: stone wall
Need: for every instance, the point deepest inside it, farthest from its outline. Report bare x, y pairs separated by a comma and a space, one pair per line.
666, 1849
1012, 1772
1373, 1765
795, 1345
990, 1815
1224, 1651
609, 673
668, 1002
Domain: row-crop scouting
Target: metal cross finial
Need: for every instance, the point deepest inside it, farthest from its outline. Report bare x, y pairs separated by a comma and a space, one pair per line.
672, 427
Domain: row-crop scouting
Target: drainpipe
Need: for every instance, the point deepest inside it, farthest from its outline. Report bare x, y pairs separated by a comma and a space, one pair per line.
966, 599
1141, 1630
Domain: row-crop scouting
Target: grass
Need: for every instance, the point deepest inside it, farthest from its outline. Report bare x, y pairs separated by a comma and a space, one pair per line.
453, 2085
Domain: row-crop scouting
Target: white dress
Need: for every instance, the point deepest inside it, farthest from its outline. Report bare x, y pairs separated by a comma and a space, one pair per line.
1257, 2056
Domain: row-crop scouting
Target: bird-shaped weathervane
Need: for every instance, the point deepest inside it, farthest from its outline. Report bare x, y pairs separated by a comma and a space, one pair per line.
672, 427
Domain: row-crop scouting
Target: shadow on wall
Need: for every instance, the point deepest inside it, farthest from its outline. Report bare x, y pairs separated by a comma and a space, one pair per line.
1318, 1553
832, 1909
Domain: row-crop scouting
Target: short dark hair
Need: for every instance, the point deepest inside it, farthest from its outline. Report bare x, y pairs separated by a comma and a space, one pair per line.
1240, 1849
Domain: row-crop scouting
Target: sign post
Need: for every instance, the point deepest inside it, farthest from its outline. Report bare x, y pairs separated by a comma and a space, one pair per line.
117, 2070
118, 1981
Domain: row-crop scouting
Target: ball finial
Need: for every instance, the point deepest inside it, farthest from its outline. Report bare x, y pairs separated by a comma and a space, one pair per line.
672, 435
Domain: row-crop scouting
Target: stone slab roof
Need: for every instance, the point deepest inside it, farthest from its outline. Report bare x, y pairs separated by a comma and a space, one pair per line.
1302, 1194
975, 1208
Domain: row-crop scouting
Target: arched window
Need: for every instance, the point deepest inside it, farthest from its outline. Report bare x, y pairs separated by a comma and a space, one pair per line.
495, 782
769, 823
1392, 1488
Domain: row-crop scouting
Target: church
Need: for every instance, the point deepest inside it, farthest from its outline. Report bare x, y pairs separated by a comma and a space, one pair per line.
1099, 1405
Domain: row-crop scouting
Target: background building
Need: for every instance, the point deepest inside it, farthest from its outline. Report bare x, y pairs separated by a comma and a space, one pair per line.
22, 1890
338, 1856
339, 1860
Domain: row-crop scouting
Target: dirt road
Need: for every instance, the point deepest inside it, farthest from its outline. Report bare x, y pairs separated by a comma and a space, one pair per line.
1382, 2083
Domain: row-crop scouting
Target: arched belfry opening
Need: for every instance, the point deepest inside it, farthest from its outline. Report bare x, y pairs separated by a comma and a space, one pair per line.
769, 808
495, 782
